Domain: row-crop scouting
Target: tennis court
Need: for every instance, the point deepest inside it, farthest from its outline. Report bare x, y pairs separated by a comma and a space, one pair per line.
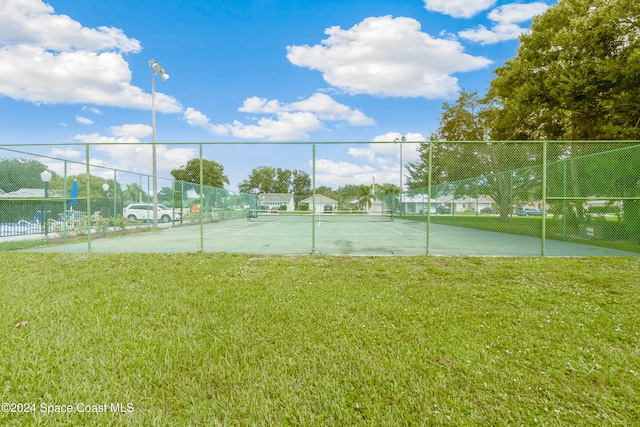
353, 235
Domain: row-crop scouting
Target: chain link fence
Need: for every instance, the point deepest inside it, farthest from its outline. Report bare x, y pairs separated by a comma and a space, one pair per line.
585, 193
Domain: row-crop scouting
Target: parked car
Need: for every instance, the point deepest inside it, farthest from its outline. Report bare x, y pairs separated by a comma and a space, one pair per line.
144, 212
528, 212
443, 209
488, 210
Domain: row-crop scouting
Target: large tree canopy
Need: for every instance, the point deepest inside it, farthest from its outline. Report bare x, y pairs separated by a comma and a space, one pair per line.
268, 179
497, 170
576, 75
212, 173
20, 173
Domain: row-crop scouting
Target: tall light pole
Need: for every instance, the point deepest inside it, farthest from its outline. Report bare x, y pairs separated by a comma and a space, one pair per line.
156, 68
401, 140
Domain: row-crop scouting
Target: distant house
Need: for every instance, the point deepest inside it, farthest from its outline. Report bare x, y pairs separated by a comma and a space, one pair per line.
323, 203
26, 193
275, 201
465, 203
419, 203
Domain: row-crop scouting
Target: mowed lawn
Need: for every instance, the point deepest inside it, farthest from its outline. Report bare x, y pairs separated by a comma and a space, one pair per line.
215, 339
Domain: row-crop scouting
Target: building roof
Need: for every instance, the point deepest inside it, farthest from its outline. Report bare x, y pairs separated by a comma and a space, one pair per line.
320, 199
26, 193
31, 193
275, 197
423, 198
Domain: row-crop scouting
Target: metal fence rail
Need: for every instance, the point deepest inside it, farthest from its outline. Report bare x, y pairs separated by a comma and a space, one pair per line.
586, 193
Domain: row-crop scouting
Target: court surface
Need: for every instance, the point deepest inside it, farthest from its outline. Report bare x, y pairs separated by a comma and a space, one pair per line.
353, 237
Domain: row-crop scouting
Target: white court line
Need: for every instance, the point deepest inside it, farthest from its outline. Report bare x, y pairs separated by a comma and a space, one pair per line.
385, 228
414, 229
243, 228
255, 226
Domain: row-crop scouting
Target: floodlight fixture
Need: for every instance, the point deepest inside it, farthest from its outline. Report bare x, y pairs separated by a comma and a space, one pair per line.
156, 68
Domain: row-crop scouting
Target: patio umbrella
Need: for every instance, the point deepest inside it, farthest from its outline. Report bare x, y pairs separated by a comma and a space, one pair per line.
73, 197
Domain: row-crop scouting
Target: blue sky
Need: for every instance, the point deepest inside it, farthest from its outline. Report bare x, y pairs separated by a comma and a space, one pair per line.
247, 71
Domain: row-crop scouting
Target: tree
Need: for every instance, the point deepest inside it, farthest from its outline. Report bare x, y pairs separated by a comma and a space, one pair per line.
576, 74
212, 173
301, 183
386, 189
20, 173
132, 193
97, 191
365, 197
262, 179
267, 179
325, 191
283, 180
461, 121
495, 169
576, 78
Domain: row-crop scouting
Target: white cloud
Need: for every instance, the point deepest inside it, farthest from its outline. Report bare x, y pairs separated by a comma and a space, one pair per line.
93, 110
196, 118
67, 153
409, 146
84, 120
335, 174
366, 59
131, 131
458, 8
397, 136
288, 121
322, 105
34, 22
379, 160
260, 105
286, 127
506, 23
327, 108
123, 148
52, 59
517, 12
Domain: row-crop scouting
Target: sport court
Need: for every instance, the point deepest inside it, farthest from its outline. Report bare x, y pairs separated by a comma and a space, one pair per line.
332, 235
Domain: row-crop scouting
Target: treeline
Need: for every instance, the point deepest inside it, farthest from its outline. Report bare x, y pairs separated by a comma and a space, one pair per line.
574, 78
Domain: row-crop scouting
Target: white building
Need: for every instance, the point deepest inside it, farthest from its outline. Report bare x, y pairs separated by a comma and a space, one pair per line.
323, 203
275, 201
419, 203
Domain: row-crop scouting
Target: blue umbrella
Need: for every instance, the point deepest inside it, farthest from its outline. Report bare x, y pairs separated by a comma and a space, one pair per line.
74, 194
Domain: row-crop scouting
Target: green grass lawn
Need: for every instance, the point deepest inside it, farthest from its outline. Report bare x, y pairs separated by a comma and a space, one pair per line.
218, 339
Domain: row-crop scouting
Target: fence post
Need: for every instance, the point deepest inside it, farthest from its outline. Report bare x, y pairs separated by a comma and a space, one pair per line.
115, 200
564, 199
88, 199
429, 197
313, 200
544, 196
66, 205
200, 209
